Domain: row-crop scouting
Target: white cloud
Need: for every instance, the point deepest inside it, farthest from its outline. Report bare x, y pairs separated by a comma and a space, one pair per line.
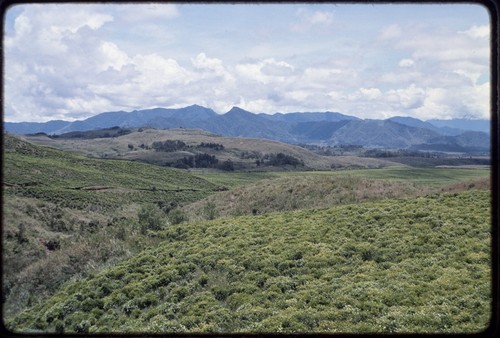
401, 77
406, 63
321, 18
113, 56
72, 61
411, 97
265, 72
456, 102
308, 19
371, 93
22, 26
477, 32
211, 68
134, 13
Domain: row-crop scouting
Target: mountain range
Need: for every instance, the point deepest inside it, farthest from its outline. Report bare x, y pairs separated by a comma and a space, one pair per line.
322, 128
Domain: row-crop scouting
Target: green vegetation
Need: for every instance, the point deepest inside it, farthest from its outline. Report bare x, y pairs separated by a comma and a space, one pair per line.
300, 192
413, 265
65, 216
79, 182
293, 192
435, 177
116, 246
424, 176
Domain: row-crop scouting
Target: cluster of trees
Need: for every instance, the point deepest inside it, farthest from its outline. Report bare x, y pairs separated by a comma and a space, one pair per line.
215, 146
175, 145
342, 149
279, 159
203, 161
168, 145
337, 150
92, 134
400, 153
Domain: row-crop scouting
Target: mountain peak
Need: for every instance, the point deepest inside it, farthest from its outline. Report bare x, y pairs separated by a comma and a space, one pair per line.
238, 110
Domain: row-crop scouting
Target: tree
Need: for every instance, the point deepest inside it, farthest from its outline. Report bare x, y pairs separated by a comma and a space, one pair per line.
177, 216
151, 218
226, 165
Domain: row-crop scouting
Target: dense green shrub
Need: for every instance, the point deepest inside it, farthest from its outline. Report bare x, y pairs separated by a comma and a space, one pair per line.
177, 216
377, 267
151, 218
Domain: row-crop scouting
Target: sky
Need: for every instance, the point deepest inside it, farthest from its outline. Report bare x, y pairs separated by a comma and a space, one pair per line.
73, 61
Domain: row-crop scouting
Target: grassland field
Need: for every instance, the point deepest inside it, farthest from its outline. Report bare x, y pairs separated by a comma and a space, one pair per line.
425, 176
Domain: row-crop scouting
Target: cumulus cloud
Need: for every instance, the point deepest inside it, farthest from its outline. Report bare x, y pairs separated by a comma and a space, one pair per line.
477, 32
61, 62
450, 71
371, 93
134, 13
406, 63
307, 19
267, 71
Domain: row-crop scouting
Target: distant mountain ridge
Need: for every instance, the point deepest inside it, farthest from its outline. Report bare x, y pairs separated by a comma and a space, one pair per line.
323, 128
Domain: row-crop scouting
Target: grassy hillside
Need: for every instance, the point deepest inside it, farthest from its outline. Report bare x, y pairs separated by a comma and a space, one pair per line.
243, 152
259, 193
297, 192
413, 265
65, 215
77, 181
288, 191
436, 177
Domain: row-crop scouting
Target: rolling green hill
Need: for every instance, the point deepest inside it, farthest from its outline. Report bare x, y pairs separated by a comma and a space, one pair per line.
77, 181
413, 265
259, 193
65, 215
243, 152
102, 245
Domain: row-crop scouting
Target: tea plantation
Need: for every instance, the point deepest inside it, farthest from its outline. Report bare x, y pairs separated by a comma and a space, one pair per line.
418, 265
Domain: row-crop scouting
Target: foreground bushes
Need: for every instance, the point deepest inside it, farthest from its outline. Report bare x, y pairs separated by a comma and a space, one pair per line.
417, 265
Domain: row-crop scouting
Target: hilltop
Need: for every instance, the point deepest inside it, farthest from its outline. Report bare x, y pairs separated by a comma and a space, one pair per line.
244, 153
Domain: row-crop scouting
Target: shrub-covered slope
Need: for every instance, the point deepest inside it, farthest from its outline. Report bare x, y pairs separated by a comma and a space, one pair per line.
65, 215
415, 265
287, 191
76, 181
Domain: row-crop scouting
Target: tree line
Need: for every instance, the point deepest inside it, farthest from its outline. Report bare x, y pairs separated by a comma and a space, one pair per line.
202, 161
176, 145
